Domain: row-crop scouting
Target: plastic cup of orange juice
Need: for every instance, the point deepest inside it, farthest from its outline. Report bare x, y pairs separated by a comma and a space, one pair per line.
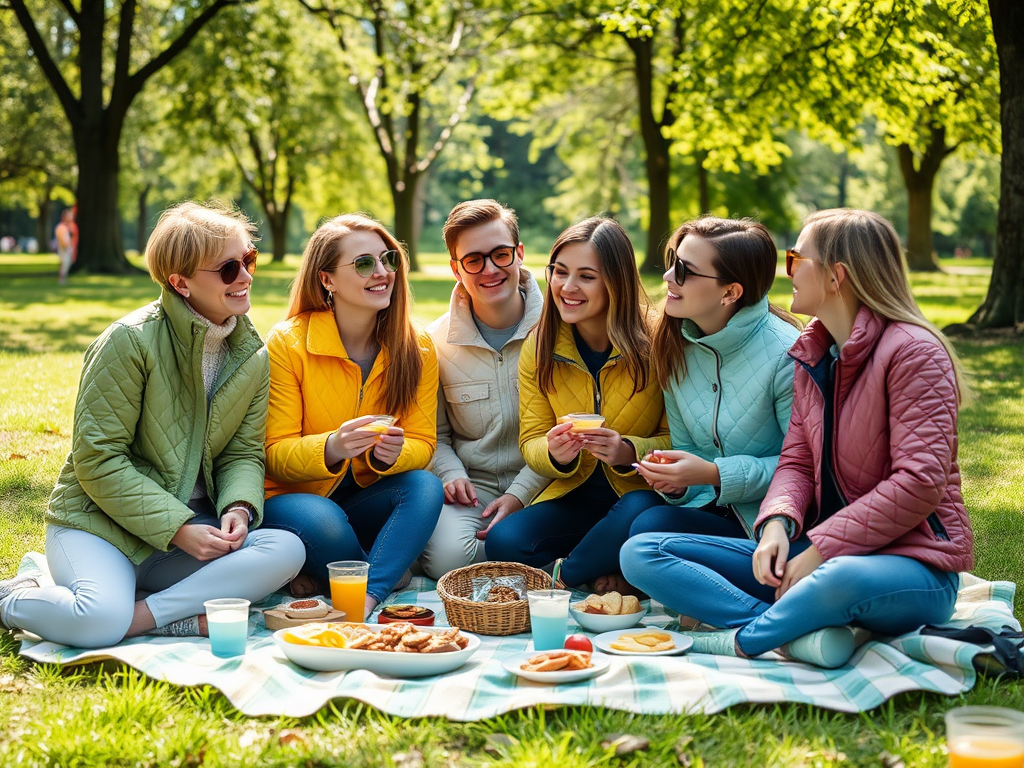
380, 424
348, 587
985, 737
584, 421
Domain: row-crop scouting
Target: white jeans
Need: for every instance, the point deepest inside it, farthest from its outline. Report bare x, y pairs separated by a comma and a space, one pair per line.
454, 543
93, 601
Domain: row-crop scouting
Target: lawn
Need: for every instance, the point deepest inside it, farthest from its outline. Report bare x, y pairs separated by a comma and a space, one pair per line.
100, 715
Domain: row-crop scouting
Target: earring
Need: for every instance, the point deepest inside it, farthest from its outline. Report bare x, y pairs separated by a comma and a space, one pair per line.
330, 298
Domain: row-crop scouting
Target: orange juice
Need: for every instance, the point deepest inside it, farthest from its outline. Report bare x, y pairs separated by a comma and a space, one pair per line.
348, 594
986, 752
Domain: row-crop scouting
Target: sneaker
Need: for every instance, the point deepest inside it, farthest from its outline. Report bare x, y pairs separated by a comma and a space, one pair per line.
188, 627
828, 648
719, 642
9, 586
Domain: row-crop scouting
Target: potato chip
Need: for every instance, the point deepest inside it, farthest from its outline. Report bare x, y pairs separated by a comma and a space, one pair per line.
613, 603
630, 604
643, 642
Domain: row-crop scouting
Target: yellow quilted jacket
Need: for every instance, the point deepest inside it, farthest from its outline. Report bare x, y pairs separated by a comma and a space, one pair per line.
639, 418
315, 387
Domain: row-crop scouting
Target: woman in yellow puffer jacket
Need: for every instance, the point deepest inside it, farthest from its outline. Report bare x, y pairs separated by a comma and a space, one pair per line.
347, 352
590, 353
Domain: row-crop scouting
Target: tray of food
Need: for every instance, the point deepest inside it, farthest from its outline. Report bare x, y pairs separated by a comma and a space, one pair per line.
299, 612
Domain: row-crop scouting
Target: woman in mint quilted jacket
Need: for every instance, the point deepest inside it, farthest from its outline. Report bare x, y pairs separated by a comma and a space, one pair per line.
863, 524
164, 482
721, 357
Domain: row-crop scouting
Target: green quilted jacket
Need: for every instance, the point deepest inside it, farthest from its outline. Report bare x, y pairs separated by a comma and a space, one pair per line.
143, 430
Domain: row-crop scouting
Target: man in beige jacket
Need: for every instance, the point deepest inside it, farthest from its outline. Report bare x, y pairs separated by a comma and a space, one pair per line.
494, 305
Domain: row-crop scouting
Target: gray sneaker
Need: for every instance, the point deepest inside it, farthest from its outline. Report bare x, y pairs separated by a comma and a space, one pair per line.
188, 627
9, 586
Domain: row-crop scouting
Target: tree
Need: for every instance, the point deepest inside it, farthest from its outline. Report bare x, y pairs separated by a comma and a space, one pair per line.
115, 55
1004, 303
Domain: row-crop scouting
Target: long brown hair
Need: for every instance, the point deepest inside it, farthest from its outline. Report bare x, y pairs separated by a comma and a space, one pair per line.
869, 248
744, 253
394, 330
628, 319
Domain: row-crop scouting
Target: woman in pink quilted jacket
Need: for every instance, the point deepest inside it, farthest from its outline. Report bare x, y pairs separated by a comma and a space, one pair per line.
863, 523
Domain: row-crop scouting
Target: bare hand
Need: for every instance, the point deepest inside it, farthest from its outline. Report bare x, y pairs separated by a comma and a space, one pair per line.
234, 527
203, 542
608, 446
460, 491
682, 470
771, 554
802, 565
498, 510
349, 441
389, 446
564, 445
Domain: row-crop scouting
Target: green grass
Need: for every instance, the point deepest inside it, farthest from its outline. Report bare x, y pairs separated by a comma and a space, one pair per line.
109, 715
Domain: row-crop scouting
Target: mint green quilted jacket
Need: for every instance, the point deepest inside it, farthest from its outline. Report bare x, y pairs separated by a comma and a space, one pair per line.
143, 432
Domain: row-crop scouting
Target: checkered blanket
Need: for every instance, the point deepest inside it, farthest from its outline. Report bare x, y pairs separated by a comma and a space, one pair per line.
264, 682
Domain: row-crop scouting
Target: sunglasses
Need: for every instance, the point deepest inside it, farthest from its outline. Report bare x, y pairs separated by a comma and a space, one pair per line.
366, 264
792, 256
229, 269
681, 270
502, 256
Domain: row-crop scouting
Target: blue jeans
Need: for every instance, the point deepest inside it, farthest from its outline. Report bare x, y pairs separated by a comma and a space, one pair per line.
704, 521
711, 578
387, 524
587, 526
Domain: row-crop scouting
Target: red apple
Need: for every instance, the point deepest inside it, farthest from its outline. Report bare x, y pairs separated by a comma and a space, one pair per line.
579, 643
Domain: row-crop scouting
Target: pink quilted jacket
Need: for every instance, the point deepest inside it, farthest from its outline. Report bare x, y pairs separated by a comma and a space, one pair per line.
894, 452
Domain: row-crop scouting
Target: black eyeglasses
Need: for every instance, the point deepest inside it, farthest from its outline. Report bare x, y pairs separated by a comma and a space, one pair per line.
229, 269
681, 270
502, 256
366, 264
793, 256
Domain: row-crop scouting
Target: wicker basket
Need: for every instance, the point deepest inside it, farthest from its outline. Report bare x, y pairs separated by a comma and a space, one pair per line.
456, 586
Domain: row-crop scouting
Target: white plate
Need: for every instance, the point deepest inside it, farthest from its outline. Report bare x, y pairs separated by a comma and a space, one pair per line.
604, 641
596, 622
513, 663
379, 662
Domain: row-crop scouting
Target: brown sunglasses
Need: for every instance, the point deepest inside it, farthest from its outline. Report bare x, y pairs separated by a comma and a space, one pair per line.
229, 269
792, 256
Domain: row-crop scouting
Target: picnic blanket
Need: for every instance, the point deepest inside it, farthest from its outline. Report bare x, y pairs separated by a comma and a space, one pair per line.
264, 682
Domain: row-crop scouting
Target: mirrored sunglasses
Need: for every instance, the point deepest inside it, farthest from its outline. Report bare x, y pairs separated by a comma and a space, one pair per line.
366, 264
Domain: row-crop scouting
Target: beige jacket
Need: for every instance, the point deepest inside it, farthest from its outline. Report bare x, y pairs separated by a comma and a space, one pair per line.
478, 399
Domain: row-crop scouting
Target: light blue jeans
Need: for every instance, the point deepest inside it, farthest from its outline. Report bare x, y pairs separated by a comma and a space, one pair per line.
386, 524
96, 586
711, 578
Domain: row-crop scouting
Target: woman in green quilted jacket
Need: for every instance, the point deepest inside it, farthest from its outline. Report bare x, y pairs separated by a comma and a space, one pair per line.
164, 483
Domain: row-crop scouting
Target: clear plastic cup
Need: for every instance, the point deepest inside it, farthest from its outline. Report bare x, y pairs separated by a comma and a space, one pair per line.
380, 424
549, 617
584, 421
985, 737
227, 619
348, 587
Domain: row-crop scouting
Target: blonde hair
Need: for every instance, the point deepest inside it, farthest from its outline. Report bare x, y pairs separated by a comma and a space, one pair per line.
394, 330
190, 235
868, 247
472, 213
629, 310
744, 253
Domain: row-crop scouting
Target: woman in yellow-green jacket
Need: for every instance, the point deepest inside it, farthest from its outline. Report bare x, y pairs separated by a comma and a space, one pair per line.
590, 353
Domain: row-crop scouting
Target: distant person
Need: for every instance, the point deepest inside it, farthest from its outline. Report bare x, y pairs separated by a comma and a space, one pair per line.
74, 233
163, 489
348, 352
64, 234
495, 303
863, 523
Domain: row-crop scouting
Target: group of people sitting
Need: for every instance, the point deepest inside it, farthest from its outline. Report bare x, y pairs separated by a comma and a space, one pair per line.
775, 485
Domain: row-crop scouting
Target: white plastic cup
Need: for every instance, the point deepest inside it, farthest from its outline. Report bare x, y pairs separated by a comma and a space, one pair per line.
228, 621
985, 736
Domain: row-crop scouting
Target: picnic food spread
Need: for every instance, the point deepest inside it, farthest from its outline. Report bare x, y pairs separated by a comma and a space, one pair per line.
557, 661
398, 638
609, 604
648, 641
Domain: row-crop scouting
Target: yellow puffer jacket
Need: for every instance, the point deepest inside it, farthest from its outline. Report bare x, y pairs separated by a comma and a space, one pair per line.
315, 387
639, 418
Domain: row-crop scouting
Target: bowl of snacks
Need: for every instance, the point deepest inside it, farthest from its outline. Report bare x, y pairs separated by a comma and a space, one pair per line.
414, 614
608, 612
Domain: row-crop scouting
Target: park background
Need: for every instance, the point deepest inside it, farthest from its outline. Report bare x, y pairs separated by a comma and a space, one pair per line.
651, 112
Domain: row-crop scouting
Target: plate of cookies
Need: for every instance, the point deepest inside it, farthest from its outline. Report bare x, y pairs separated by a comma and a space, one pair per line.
399, 649
607, 612
645, 641
556, 667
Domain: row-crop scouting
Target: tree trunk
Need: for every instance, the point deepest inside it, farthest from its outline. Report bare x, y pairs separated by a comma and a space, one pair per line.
843, 180
702, 184
44, 234
1004, 304
100, 248
919, 178
405, 196
142, 235
278, 234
